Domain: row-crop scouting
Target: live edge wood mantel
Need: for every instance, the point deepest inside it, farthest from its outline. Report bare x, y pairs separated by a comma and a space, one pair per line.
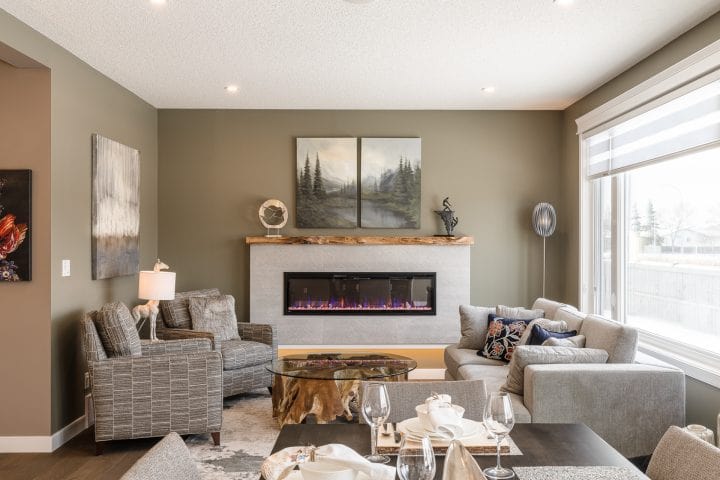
351, 240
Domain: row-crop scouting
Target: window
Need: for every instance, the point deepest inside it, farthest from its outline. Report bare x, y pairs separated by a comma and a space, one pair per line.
651, 220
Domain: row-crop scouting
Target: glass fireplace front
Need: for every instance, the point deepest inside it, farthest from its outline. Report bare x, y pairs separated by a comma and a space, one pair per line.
363, 293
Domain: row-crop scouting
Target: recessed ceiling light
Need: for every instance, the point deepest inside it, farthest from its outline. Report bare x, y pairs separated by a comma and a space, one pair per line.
488, 89
563, 3
231, 88
158, 3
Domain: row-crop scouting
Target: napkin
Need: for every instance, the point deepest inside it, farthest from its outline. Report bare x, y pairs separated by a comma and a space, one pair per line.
442, 416
335, 453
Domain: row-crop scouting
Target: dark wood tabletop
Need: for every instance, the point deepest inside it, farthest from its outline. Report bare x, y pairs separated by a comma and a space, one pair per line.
542, 444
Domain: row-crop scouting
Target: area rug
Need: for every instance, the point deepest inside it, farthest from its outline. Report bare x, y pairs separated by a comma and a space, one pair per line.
247, 437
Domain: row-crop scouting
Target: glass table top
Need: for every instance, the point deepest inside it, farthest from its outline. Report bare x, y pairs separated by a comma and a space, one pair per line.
342, 366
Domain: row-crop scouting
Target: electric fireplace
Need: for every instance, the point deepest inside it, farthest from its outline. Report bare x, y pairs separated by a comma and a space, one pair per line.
361, 293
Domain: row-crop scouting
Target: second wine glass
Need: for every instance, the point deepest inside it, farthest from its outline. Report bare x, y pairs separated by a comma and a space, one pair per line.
416, 459
375, 409
499, 419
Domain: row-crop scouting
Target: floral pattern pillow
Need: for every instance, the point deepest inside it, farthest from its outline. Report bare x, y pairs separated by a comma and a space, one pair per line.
503, 336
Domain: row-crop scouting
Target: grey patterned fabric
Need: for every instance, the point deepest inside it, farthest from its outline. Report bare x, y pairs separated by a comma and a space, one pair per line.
215, 315
258, 332
525, 355
169, 459
117, 331
239, 353
184, 333
519, 313
620, 341
578, 341
245, 380
547, 324
681, 455
91, 343
473, 326
193, 345
456, 357
404, 396
175, 313
550, 307
572, 317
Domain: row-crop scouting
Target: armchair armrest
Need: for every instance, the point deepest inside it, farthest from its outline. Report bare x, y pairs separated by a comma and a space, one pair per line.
185, 333
168, 347
258, 332
629, 405
150, 396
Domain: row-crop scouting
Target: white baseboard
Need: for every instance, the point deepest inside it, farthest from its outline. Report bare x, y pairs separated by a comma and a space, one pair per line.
42, 443
427, 374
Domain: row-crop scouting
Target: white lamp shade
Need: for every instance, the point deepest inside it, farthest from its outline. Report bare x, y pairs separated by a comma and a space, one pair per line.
156, 285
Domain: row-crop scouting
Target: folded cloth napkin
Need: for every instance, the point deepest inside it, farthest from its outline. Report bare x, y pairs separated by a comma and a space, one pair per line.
335, 453
442, 416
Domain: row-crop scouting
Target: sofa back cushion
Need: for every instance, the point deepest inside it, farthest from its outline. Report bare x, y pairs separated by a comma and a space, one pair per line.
519, 313
176, 313
574, 318
473, 326
117, 331
550, 307
620, 341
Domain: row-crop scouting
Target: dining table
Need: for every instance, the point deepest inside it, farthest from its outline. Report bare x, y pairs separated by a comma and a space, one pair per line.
541, 444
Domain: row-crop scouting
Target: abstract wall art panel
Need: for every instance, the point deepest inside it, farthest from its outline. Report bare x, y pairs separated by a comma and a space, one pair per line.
391, 177
115, 209
15, 228
326, 183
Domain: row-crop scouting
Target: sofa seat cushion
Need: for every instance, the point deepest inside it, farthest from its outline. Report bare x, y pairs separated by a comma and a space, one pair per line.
456, 357
237, 353
494, 377
620, 341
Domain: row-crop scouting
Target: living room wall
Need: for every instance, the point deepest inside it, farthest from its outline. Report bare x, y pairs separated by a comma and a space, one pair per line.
82, 102
217, 167
703, 401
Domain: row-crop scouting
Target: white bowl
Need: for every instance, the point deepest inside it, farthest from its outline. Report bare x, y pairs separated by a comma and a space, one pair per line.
422, 414
326, 471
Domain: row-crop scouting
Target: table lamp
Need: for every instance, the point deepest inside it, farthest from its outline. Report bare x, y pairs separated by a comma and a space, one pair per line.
154, 286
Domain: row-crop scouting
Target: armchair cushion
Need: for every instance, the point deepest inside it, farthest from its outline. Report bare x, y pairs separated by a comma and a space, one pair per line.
176, 313
117, 331
620, 341
215, 315
237, 353
473, 326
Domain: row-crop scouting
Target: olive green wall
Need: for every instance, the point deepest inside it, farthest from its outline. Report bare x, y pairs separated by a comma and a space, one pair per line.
82, 102
703, 401
218, 166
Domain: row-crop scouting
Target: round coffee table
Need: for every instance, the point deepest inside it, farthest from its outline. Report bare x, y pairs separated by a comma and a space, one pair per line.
324, 384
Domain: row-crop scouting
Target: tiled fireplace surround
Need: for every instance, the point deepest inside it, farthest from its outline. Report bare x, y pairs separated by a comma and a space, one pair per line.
269, 261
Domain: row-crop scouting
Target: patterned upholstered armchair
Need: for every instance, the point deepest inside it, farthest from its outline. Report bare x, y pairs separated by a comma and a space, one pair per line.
244, 359
172, 386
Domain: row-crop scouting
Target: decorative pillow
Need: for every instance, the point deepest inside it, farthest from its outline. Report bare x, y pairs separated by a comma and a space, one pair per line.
552, 325
538, 335
473, 326
215, 315
502, 337
536, 355
117, 331
578, 341
518, 313
176, 313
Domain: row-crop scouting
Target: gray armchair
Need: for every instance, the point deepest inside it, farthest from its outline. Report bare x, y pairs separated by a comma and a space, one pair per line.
244, 360
172, 386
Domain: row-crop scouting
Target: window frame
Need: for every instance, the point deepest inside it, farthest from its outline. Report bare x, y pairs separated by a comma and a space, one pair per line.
686, 75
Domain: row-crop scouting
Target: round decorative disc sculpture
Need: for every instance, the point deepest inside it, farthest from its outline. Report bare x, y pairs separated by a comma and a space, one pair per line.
273, 215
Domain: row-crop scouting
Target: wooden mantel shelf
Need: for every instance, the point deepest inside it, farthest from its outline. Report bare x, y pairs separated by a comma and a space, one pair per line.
350, 240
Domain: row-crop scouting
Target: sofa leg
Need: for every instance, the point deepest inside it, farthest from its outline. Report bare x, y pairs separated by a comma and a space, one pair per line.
99, 448
216, 438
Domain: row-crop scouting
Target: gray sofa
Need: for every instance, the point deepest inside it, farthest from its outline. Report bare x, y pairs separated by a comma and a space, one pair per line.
630, 401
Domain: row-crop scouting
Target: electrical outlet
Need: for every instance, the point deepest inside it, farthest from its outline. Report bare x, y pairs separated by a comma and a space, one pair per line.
66, 268
87, 380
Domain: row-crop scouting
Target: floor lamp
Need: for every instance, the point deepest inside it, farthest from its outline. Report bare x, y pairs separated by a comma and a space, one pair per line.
544, 221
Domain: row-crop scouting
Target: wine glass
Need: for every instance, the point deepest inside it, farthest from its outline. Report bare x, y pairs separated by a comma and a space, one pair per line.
416, 462
375, 409
499, 419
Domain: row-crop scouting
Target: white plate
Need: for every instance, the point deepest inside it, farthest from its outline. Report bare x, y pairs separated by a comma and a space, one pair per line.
296, 475
414, 428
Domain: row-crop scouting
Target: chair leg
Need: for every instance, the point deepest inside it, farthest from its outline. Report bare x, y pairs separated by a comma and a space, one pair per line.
99, 448
216, 438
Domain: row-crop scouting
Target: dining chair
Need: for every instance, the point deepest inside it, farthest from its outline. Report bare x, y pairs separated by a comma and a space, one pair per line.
681, 455
405, 396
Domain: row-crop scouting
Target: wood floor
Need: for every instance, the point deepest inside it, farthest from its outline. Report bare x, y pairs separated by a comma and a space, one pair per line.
75, 460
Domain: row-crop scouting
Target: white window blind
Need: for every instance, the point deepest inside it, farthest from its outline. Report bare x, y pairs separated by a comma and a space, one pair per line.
682, 124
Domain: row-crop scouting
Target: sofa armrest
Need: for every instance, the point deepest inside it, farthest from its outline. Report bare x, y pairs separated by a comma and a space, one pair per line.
185, 333
258, 332
170, 347
137, 397
629, 405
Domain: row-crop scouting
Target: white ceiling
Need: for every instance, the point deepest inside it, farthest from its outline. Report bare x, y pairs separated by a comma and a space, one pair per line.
387, 54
